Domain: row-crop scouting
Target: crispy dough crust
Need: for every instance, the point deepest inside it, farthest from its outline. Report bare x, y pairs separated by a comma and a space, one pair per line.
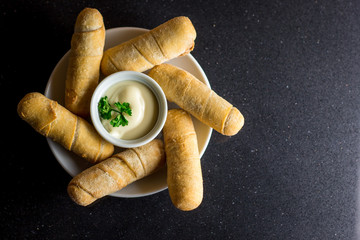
87, 46
116, 172
184, 176
169, 40
56, 122
195, 97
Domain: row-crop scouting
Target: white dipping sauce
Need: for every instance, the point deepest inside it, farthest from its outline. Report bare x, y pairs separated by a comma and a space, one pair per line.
143, 105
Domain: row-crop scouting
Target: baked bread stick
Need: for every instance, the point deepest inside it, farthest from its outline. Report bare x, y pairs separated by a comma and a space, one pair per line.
184, 177
116, 172
56, 122
169, 40
87, 46
195, 97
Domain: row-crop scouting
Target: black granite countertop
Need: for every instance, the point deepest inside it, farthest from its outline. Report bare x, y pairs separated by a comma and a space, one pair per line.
291, 67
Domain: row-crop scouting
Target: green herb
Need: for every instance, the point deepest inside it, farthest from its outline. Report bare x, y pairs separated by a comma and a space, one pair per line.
105, 110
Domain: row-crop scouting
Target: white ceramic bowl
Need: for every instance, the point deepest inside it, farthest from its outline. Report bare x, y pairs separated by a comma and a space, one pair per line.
114, 79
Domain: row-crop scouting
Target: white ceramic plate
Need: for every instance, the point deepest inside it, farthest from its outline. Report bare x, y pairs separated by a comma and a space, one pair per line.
73, 164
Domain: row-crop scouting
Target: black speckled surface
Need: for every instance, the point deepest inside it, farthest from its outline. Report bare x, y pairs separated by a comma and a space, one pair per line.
291, 67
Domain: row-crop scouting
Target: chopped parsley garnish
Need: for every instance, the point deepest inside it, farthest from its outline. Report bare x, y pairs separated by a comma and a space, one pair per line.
105, 110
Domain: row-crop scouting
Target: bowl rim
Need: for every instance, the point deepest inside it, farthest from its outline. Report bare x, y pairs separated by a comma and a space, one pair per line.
112, 80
